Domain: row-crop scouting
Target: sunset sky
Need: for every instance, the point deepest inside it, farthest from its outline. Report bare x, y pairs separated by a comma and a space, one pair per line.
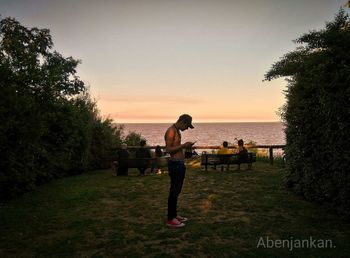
152, 60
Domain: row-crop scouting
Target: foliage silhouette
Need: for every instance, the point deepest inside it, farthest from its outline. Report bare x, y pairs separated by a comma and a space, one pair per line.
316, 113
49, 126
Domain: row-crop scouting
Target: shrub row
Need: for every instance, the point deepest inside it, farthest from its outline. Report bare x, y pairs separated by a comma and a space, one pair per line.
49, 126
317, 114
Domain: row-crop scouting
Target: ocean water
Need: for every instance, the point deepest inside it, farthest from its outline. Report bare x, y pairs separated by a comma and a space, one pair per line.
215, 133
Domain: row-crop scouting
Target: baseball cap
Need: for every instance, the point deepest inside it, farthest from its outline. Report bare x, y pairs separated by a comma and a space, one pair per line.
187, 119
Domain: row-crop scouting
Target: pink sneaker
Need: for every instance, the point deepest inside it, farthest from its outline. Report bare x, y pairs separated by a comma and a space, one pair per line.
181, 219
175, 223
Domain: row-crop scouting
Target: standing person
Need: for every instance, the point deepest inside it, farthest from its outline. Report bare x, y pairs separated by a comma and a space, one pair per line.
159, 154
122, 169
143, 153
158, 151
176, 166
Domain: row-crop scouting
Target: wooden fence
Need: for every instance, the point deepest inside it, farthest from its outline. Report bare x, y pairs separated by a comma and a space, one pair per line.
204, 147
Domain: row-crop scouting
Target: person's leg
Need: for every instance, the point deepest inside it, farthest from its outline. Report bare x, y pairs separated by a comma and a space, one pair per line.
142, 171
179, 183
177, 175
124, 171
172, 197
120, 171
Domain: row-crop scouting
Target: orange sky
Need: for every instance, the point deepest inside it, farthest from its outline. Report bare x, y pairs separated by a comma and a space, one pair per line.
150, 61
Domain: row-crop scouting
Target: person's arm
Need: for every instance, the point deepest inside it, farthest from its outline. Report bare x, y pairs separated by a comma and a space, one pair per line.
169, 142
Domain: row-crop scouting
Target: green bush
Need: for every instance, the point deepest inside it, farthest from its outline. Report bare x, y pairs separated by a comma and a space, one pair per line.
317, 112
43, 129
49, 126
105, 139
133, 139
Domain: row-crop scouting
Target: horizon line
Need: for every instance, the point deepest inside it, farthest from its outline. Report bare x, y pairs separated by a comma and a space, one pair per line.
202, 122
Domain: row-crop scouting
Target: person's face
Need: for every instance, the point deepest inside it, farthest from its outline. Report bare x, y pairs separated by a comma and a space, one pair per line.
183, 126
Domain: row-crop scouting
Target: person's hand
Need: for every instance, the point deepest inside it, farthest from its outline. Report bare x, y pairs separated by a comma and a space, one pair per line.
187, 145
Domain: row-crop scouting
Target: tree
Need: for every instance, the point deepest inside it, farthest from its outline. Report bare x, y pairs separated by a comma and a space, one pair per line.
50, 126
316, 113
42, 130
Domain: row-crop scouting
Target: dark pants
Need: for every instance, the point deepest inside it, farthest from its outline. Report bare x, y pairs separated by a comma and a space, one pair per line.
142, 171
122, 171
177, 171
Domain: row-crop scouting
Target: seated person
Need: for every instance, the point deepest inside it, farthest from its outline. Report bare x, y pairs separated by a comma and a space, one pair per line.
242, 152
241, 149
143, 153
122, 169
225, 149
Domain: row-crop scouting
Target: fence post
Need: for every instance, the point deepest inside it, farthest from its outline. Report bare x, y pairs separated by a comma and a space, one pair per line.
271, 155
206, 162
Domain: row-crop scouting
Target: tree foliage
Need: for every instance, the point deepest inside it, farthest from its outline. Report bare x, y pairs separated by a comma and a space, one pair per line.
49, 126
316, 113
133, 139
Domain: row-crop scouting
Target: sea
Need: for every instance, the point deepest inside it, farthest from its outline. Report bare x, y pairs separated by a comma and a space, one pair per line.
213, 134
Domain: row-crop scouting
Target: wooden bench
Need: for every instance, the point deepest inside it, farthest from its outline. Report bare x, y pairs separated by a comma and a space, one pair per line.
141, 162
227, 159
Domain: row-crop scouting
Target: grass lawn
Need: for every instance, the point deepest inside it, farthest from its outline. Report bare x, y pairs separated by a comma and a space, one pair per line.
100, 215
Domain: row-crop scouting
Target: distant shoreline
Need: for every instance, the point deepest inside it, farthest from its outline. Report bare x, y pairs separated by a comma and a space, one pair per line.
272, 122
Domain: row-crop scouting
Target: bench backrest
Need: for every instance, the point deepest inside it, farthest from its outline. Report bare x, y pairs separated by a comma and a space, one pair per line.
213, 159
216, 158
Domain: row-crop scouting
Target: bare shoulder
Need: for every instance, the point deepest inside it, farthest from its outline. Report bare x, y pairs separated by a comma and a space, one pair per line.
170, 133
